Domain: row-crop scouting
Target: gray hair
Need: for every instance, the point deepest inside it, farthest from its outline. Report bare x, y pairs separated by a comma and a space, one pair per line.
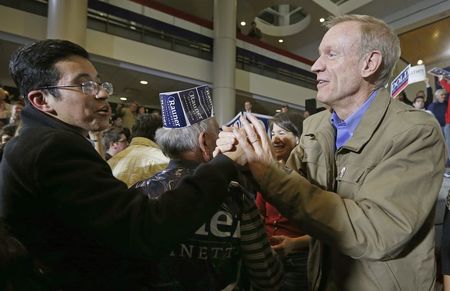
375, 35
438, 92
175, 141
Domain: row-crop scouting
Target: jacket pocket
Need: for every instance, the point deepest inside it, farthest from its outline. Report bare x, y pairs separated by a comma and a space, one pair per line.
349, 179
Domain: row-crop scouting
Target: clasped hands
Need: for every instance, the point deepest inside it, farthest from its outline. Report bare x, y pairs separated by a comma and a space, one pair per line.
247, 145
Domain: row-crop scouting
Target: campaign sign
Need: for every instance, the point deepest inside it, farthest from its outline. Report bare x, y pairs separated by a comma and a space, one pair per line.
186, 107
263, 118
439, 72
400, 82
417, 74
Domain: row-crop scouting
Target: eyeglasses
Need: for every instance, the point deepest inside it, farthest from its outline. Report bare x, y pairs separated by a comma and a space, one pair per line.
89, 88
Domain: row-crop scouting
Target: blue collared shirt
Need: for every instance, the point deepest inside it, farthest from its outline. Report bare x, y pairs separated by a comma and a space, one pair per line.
345, 128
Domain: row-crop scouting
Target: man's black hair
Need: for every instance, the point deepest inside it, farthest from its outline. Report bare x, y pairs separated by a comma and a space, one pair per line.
33, 66
146, 126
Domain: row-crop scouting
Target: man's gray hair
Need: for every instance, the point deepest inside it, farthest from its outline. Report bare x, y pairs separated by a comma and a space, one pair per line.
375, 35
175, 141
438, 92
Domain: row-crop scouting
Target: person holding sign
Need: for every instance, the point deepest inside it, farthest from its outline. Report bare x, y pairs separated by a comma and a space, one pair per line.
357, 187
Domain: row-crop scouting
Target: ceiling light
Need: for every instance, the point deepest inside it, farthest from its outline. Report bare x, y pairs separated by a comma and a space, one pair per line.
322, 19
243, 23
278, 110
133, 28
123, 98
419, 62
143, 82
280, 40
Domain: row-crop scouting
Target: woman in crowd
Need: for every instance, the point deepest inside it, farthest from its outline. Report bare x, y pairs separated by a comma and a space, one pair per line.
287, 240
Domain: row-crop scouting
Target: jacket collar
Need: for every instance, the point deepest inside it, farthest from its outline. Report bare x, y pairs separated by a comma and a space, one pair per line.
185, 164
32, 117
143, 141
369, 122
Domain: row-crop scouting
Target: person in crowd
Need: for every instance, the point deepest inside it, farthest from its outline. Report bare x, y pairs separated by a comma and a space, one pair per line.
142, 110
115, 141
116, 121
443, 94
254, 31
233, 236
369, 228
306, 114
419, 103
248, 106
439, 107
428, 97
286, 238
5, 107
142, 158
129, 114
6, 134
80, 226
15, 113
285, 108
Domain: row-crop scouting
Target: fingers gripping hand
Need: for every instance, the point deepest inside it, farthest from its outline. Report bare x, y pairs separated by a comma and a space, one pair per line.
227, 144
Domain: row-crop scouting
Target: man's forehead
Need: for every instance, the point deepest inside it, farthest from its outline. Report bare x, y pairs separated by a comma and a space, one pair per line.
75, 67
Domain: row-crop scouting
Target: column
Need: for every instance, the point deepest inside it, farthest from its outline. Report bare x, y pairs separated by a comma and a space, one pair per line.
67, 19
224, 93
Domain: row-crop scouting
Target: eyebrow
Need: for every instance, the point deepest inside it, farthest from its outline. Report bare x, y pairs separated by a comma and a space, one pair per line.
85, 75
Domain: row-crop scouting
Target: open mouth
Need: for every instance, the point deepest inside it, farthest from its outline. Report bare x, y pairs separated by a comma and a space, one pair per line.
104, 110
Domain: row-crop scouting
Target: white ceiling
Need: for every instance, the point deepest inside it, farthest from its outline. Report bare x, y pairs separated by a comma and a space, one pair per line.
401, 14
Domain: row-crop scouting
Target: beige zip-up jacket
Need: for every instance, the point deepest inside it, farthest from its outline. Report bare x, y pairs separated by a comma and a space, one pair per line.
369, 206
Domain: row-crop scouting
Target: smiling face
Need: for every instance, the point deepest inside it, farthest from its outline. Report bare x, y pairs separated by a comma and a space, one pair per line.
89, 113
338, 67
283, 142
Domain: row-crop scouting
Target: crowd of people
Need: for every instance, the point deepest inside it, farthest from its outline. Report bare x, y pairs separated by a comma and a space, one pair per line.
343, 199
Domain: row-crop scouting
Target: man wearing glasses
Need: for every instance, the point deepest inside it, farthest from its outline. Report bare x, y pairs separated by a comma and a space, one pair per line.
79, 225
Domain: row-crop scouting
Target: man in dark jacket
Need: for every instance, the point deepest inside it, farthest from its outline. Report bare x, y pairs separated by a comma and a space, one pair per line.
78, 223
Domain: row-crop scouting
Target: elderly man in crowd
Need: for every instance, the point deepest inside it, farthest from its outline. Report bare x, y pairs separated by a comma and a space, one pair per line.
368, 171
234, 235
58, 196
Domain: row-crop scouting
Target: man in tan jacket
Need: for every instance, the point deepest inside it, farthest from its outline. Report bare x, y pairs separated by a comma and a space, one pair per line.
370, 168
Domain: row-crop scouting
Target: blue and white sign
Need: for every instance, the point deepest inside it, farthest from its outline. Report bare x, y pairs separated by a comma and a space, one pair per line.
400, 82
187, 107
263, 118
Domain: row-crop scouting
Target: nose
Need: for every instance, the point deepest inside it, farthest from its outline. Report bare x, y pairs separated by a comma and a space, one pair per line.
317, 66
275, 138
102, 93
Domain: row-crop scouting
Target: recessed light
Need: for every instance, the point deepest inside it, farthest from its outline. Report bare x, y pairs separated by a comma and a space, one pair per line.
143, 82
123, 98
322, 19
133, 28
419, 62
280, 40
243, 23
278, 110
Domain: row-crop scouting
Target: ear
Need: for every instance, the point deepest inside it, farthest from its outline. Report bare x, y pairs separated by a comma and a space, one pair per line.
40, 101
203, 146
371, 63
